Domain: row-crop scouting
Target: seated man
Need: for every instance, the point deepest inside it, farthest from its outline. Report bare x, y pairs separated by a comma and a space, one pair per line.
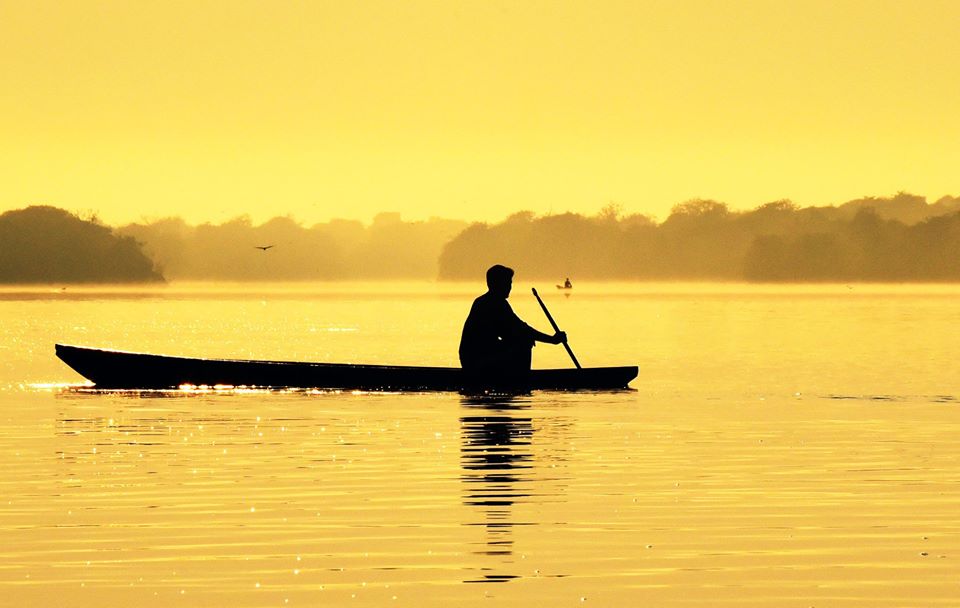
495, 343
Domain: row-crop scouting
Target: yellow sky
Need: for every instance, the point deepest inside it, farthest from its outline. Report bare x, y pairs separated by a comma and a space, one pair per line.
211, 109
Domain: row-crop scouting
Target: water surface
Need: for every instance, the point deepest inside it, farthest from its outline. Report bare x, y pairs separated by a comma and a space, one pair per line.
783, 446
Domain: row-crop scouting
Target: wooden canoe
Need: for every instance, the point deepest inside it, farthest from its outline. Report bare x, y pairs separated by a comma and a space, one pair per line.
120, 369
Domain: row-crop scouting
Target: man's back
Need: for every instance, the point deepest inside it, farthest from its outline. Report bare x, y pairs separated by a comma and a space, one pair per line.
491, 327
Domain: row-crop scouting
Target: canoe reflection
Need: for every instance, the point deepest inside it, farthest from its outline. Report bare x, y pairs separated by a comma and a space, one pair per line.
496, 458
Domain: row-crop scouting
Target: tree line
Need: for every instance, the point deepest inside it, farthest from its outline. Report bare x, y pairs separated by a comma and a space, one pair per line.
899, 238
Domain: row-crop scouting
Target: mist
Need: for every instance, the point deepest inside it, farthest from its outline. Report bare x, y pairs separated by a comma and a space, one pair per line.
282, 249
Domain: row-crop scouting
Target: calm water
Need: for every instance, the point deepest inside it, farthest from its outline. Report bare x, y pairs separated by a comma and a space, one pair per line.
783, 446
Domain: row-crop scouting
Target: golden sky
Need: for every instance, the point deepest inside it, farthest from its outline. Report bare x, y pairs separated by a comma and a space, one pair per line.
211, 109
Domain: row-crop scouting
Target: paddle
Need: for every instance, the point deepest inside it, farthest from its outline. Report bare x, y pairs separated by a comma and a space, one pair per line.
555, 328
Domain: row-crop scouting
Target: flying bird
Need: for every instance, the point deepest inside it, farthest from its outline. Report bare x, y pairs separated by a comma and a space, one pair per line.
263, 247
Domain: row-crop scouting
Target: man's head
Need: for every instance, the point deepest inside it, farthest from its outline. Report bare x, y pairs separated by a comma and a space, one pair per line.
500, 280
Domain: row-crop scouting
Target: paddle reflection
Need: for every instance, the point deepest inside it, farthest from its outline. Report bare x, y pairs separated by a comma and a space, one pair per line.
496, 458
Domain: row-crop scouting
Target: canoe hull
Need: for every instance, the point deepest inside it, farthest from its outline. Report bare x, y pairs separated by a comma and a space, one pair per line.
119, 369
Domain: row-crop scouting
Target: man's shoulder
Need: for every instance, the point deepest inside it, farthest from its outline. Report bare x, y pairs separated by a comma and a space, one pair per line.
489, 304
478, 306
488, 299
478, 302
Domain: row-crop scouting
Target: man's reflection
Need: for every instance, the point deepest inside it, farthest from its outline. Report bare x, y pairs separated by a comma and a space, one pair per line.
496, 457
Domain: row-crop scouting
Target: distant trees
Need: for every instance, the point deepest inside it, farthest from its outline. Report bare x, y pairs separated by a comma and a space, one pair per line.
904, 207
228, 251
389, 248
43, 244
901, 238
866, 248
552, 246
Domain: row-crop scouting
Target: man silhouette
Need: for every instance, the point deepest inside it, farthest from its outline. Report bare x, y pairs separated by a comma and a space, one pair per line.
496, 344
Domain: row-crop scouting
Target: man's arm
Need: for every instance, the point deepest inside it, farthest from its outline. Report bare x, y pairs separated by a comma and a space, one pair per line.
558, 338
521, 328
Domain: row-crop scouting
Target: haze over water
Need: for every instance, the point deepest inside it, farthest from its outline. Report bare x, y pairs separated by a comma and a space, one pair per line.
782, 446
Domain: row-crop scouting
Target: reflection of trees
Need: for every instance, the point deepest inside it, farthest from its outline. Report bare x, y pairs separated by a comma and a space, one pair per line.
496, 458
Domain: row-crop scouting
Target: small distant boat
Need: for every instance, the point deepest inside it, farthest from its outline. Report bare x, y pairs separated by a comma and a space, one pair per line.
120, 369
566, 285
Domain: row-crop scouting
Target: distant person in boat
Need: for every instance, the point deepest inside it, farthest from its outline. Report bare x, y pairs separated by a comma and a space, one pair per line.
495, 340
567, 284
